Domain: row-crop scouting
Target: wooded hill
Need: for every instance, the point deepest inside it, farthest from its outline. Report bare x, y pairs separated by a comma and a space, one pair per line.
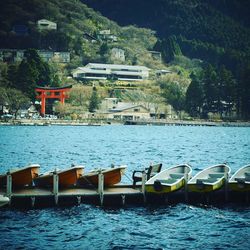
76, 24
215, 31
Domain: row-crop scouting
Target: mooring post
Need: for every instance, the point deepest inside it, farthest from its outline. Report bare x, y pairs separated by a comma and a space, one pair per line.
186, 184
100, 187
9, 186
123, 199
55, 186
143, 186
33, 200
226, 186
79, 199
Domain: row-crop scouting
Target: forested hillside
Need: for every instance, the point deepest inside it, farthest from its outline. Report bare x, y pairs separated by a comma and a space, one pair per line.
76, 26
214, 31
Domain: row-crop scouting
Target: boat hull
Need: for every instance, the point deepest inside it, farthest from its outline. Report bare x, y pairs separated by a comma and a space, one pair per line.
240, 181
210, 179
4, 201
205, 187
66, 178
111, 177
169, 180
165, 188
21, 177
239, 187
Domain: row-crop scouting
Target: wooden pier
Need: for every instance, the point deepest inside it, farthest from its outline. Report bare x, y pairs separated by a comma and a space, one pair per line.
118, 195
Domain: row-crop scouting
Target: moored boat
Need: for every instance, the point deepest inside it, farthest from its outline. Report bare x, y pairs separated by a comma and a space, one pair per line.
4, 200
67, 177
21, 177
169, 180
240, 180
209, 179
111, 175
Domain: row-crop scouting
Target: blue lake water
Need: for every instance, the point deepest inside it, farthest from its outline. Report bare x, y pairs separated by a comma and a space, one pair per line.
180, 226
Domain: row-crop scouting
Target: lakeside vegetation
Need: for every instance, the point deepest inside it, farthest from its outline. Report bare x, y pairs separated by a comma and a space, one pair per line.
208, 77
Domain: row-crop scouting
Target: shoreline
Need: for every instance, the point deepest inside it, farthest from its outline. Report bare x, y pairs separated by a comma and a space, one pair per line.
59, 122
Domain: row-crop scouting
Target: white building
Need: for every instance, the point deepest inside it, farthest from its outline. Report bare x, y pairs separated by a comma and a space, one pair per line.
118, 54
111, 71
44, 24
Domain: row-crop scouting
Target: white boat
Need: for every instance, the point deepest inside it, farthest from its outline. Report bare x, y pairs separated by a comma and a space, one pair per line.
240, 180
168, 180
4, 200
209, 179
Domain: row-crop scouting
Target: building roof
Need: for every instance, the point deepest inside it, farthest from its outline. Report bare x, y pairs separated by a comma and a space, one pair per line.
54, 88
116, 66
124, 106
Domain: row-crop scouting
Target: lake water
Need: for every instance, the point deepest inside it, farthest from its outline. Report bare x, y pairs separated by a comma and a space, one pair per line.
178, 226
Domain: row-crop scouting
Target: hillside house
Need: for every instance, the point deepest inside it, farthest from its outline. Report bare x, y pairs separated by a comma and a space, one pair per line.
44, 24
155, 55
112, 72
105, 35
14, 55
118, 54
122, 111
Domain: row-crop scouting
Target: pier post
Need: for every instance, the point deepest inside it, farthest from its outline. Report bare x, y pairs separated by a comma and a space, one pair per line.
123, 199
55, 186
79, 199
186, 185
9, 186
101, 187
143, 186
226, 186
33, 200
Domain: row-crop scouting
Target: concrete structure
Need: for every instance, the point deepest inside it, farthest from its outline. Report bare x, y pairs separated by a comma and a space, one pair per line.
106, 35
111, 71
118, 54
62, 56
112, 109
14, 55
156, 55
44, 24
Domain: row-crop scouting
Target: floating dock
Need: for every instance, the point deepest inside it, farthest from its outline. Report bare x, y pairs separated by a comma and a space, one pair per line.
118, 195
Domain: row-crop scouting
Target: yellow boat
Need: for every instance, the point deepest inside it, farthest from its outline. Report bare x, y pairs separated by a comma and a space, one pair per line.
4, 200
240, 180
168, 180
209, 179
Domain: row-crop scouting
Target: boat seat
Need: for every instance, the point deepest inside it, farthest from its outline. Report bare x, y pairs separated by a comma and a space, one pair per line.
200, 181
240, 180
150, 172
247, 175
216, 175
176, 176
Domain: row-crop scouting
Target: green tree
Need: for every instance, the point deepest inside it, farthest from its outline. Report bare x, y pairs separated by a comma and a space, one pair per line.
174, 95
194, 96
12, 75
210, 85
227, 90
244, 92
94, 101
4, 75
28, 77
32, 71
16, 100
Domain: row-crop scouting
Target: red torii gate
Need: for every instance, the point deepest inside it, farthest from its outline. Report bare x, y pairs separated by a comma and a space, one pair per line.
51, 93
